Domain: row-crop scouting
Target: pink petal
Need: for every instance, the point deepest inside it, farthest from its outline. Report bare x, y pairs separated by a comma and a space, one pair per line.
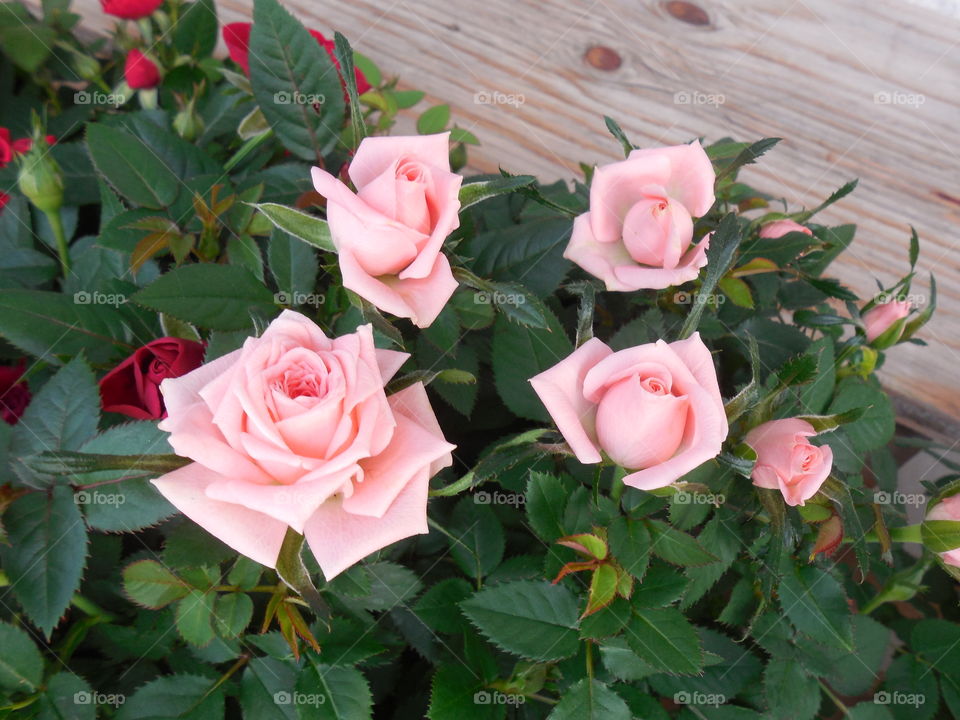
636, 277
598, 258
561, 391
618, 187
390, 362
446, 190
375, 154
340, 539
699, 361
247, 531
691, 175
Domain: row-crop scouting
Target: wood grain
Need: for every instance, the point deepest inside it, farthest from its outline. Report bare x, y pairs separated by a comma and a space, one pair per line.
815, 72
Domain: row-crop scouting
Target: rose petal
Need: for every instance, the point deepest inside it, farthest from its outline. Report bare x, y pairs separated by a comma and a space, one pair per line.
377, 153
598, 258
617, 187
691, 174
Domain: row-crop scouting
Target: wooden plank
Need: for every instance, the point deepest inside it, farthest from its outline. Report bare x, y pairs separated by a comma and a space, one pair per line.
857, 89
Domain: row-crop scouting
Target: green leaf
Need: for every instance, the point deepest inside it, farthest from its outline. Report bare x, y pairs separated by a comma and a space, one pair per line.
720, 255
263, 681
439, 608
134, 503
26, 42
294, 266
187, 697
456, 693
630, 544
195, 33
64, 697
63, 415
817, 606
520, 353
390, 585
546, 499
312, 230
791, 693
45, 558
911, 689
348, 75
603, 588
21, 665
590, 700
677, 547
233, 613
747, 156
194, 618
614, 127
433, 120
531, 619
661, 586
665, 639
474, 192
876, 426
131, 167
477, 544
150, 585
327, 692
50, 325
295, 82
220, 297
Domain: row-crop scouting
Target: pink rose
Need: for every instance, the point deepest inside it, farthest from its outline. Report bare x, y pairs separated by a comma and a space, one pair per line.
638, 231
786, 461
654, 409
947, 509
779, 228
882, 316
294, 430
390, 233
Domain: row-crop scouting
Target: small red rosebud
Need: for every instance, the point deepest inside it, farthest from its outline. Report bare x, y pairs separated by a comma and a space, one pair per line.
133, 387
140, 72
130, 9
14, 393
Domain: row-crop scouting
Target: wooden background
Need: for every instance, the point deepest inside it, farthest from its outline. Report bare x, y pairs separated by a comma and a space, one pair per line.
858, 88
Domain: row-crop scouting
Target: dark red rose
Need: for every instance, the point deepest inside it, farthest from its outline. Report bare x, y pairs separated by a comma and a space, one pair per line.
140, 72
14, 392
10, 148
237, 37
133, 387
130, 9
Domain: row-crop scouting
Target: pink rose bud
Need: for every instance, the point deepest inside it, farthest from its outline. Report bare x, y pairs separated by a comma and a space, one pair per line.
638, 230
882, 316
786, 461
389, 234
295, 430
947, 509
654, 409
778, 228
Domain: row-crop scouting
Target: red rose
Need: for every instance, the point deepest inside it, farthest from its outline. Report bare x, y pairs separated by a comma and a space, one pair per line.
140, 72
10, 148
237, 38
14, 393
133, 387
130, 9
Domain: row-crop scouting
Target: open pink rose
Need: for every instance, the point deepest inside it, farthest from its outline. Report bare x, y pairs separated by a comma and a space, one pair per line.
390, 233
638, 230
882, 316
779, 228
947, 509
786, 461
295, 430
654, 409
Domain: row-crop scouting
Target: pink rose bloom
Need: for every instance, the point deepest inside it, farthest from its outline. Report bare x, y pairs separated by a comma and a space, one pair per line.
638, 230
881, 316
786, 461
390, 233
654, 409
295, 430
947, 509
779, 228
